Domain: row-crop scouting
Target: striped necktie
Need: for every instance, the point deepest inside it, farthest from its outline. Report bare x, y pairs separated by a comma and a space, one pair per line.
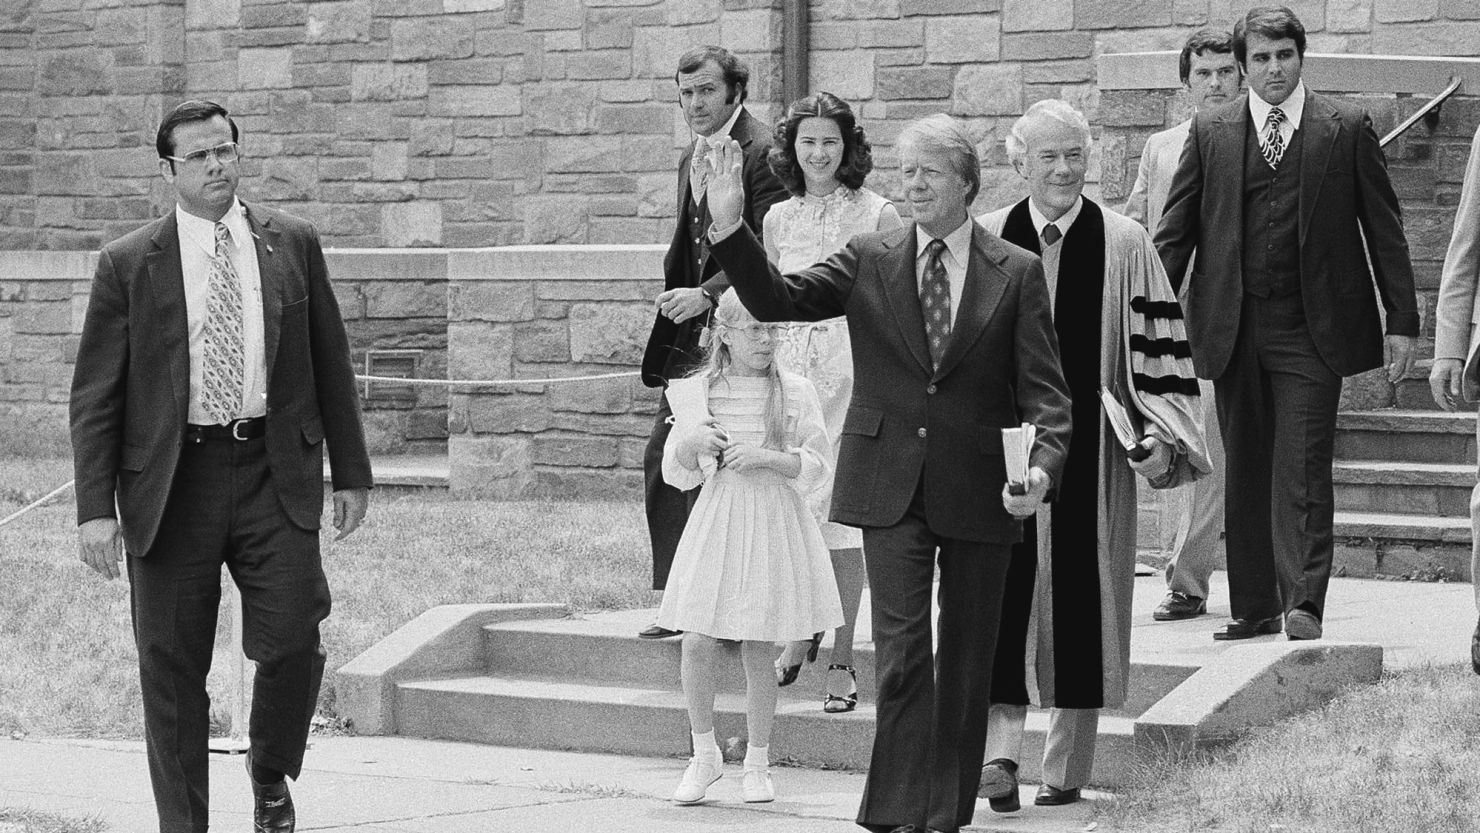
225, 337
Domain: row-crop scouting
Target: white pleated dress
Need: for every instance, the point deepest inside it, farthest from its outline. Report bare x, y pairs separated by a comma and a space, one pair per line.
752, 564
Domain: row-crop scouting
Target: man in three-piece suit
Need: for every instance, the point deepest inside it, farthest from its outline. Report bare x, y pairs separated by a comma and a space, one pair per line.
953, 341
711, 92
212, 369
1277, 192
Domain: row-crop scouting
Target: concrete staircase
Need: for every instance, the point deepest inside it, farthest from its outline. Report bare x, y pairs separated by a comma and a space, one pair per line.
1403, 481
591, 684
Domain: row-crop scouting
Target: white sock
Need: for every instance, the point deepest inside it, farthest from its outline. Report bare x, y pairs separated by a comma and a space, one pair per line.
705, 745
757, 757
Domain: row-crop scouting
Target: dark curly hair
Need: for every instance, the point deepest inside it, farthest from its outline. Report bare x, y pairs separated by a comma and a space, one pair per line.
858, 157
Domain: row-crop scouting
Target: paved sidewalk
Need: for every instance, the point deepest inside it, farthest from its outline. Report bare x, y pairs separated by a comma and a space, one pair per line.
405, 785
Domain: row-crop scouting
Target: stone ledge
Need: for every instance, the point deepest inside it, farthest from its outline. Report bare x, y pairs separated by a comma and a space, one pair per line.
1250, 686
444, 640
557, 263
1402, 74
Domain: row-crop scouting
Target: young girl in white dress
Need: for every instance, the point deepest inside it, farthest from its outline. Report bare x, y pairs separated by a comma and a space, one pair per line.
821, 155
751, 566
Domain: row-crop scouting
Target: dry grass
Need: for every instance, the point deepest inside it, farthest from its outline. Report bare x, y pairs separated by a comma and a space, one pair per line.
14, 820
70, 667
1402, 756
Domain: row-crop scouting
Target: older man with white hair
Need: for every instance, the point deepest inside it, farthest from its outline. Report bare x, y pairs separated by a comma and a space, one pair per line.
1064, 640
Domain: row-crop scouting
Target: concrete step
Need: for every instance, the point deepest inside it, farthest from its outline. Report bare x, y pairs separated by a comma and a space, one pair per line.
552, 713
1404, 488
1420, 547
1406, 436
606, 653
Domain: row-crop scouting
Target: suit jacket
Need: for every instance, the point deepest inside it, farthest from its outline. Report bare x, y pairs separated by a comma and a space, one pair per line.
1154, 177
1345, 197
907, 421
1458, 308
130, 389
668, 342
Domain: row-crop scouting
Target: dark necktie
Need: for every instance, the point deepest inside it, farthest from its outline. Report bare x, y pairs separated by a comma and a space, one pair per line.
1273, 143
935, 301
224, 367
1051, 235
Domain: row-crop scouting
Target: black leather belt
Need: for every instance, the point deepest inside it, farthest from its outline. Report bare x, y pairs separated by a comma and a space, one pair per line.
238, 430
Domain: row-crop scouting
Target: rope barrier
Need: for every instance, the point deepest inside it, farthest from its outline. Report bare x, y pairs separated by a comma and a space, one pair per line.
49, 495
485, 383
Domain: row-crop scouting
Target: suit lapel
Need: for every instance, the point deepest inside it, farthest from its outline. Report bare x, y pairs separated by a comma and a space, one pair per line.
269, 271
1321, 124
167, 286
897, 272
985, 284
1225, 169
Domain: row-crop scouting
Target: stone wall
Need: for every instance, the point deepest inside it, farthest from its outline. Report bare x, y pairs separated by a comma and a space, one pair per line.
531, 312
391, 300
492, 122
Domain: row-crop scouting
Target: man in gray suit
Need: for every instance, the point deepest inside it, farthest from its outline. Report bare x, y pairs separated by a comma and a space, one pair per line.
212, 370
1456, 373
1284, 196
1194, 513
953, 340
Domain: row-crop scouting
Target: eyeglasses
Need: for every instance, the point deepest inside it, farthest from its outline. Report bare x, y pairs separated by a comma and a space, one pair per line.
225, 154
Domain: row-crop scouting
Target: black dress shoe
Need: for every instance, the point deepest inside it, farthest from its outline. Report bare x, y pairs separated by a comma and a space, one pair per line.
1000, 785
1248, 628
272, 806
656, 631
1177, 606
1475, 650
1053, 796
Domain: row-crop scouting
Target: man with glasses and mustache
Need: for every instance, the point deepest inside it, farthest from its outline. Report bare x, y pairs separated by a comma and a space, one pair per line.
212, 369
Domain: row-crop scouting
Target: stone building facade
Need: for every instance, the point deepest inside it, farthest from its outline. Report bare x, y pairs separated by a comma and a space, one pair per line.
455, 123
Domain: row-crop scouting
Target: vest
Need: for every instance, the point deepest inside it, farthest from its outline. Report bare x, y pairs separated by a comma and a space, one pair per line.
1271, 218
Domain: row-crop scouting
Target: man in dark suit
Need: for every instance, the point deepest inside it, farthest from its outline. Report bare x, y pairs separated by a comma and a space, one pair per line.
953, 340
213, 367
711, 92
1277, 192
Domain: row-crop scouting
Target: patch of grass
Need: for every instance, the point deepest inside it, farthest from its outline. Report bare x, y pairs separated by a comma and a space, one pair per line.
70, 665
1402, 755
18, 820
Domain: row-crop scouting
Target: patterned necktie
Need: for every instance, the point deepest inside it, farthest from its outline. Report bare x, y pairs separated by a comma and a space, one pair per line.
699, 169
1051, 235
225, 342
935, 301
1273, 143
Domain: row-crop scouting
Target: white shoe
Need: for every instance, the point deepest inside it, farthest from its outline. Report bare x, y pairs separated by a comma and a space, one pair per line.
756, 786
703, 770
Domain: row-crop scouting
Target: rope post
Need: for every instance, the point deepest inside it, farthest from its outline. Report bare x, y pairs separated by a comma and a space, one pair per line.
238, 683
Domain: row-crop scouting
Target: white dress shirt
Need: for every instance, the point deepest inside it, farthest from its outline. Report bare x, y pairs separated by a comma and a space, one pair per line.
1293, 108
958, 251
1051, 254
197, 248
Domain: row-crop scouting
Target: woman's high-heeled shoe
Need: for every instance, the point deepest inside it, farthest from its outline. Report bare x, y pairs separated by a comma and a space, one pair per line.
837, 704
787, 674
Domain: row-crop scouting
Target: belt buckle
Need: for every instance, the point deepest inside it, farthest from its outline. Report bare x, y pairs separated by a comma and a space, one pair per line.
235, 425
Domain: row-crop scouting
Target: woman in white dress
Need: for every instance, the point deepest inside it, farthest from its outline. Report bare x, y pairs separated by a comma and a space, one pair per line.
821, 155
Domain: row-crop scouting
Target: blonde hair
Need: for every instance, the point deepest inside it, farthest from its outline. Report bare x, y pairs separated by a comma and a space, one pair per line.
729, 313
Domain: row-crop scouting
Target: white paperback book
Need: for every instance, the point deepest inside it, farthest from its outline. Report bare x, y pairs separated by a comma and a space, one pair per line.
1017, 449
